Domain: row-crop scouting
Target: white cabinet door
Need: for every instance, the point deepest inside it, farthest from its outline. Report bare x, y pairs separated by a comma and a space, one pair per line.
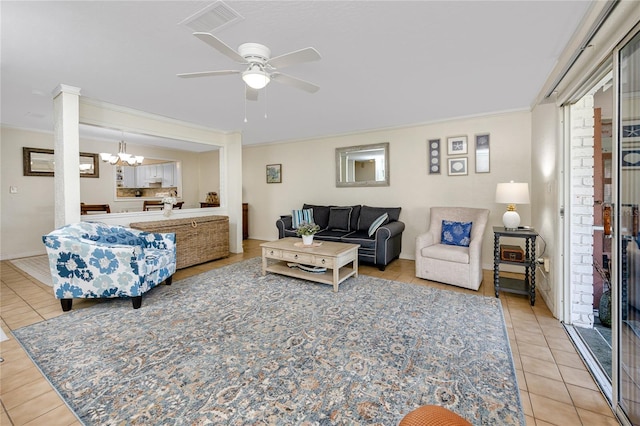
141, 177
129, 177
168, 174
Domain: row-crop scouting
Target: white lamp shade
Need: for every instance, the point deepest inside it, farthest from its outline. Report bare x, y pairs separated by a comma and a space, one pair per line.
256, 79
512, 193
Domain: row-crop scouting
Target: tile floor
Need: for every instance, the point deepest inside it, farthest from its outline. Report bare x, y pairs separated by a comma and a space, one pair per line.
555, 386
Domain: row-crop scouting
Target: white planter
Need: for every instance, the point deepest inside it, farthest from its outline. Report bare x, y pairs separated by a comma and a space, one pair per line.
307, 240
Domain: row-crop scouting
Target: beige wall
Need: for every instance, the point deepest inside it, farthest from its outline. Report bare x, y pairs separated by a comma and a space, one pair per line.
546, 181
308, 175
29, 214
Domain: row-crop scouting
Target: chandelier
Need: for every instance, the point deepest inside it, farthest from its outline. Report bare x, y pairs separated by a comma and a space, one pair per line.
121, 158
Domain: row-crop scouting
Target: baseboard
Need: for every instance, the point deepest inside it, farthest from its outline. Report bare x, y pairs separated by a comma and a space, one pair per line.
21, 255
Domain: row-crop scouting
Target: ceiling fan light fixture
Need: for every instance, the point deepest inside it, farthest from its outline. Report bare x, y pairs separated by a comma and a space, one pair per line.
256, 78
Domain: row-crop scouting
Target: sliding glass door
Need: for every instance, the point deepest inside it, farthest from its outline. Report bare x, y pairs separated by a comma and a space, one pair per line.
628, 235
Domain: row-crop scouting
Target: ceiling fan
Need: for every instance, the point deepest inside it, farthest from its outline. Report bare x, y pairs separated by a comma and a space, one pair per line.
261, 68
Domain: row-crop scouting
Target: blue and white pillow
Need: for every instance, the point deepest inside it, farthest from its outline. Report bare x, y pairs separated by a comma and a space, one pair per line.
380, 220
301, 216
456, 233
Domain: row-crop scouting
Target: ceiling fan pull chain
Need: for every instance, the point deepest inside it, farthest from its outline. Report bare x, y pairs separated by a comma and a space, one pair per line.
245, 103
265, 102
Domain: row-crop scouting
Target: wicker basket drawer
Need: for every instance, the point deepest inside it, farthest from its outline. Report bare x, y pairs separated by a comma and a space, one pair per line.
198, 239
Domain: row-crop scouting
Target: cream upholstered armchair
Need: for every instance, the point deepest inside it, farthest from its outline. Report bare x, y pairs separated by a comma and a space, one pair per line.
453, 256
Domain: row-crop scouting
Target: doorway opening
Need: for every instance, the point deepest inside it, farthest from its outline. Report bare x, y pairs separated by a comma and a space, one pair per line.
591, 242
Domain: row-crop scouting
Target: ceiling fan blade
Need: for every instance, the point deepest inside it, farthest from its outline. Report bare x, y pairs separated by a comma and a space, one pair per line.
307, 54
295, 82
251, 94
207, 73
220, 46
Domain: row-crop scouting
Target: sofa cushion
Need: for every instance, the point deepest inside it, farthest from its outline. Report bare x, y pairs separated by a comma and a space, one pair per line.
457, 254
340, 219
331, 235
456, 233
381, 220
355, 216
360, 237
369, 214
300, 216
320, 214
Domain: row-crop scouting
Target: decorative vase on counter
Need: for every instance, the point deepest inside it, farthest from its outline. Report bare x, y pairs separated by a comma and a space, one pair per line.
604, 309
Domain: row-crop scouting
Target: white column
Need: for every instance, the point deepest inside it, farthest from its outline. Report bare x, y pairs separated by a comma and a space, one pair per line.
66, 129
231, 166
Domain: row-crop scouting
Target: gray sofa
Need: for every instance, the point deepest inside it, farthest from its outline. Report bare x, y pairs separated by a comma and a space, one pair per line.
350, 224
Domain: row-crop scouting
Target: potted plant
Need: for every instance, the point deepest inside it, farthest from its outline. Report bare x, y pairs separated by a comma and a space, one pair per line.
604, 308
307, 231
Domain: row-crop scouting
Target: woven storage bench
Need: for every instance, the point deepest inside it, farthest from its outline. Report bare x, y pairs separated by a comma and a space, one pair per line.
198, 239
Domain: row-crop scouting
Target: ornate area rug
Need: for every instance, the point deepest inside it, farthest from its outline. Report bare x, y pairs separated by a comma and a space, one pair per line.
232, 347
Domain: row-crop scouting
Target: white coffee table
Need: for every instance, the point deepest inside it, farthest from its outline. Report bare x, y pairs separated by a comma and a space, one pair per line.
340, 259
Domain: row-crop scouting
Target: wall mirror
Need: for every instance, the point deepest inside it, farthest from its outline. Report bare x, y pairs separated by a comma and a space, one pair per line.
363, 165
39, 162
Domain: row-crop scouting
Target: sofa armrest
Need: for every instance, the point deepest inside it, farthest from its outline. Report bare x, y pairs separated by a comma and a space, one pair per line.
156, 240
425, 240
390, 229
285, 222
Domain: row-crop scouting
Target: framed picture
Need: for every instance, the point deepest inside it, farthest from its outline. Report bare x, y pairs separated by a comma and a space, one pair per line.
630, 158
274, 173
433, 146
457, 145
458, 166
630, 131
39, 162
482, 153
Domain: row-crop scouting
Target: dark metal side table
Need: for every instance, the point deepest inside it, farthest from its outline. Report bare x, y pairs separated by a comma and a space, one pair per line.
526, 286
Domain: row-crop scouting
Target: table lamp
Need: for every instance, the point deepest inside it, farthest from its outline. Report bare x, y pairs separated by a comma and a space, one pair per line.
512, 193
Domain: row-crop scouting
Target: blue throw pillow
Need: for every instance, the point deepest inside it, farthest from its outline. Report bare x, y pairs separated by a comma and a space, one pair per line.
456, 233
300, 216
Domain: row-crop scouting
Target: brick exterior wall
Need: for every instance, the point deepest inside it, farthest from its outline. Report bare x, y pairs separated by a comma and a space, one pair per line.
581, 219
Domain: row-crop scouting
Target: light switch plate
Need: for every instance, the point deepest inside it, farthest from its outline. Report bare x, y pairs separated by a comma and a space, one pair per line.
13, 190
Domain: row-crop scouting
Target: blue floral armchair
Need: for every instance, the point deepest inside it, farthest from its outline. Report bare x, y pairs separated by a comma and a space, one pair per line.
95, 260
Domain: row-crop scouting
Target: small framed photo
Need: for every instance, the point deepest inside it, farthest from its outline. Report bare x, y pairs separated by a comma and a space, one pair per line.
630, 158
433, 146
457, 145
458, 166
482, 153
630, 131
274, 173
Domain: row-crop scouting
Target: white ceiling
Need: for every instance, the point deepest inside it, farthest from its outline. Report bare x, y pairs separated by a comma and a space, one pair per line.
384, 63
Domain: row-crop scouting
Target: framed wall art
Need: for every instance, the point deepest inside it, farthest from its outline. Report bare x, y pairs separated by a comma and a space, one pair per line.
433, 146
457, 145
458, 166
482, 153
630, 158
274, 173
630, 131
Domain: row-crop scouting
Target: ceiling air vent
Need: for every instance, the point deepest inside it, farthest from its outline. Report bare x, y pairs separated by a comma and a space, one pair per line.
212, 18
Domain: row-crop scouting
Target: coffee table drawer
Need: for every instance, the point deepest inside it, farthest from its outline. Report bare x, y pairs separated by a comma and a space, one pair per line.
297, 257
327, 262
272, 253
